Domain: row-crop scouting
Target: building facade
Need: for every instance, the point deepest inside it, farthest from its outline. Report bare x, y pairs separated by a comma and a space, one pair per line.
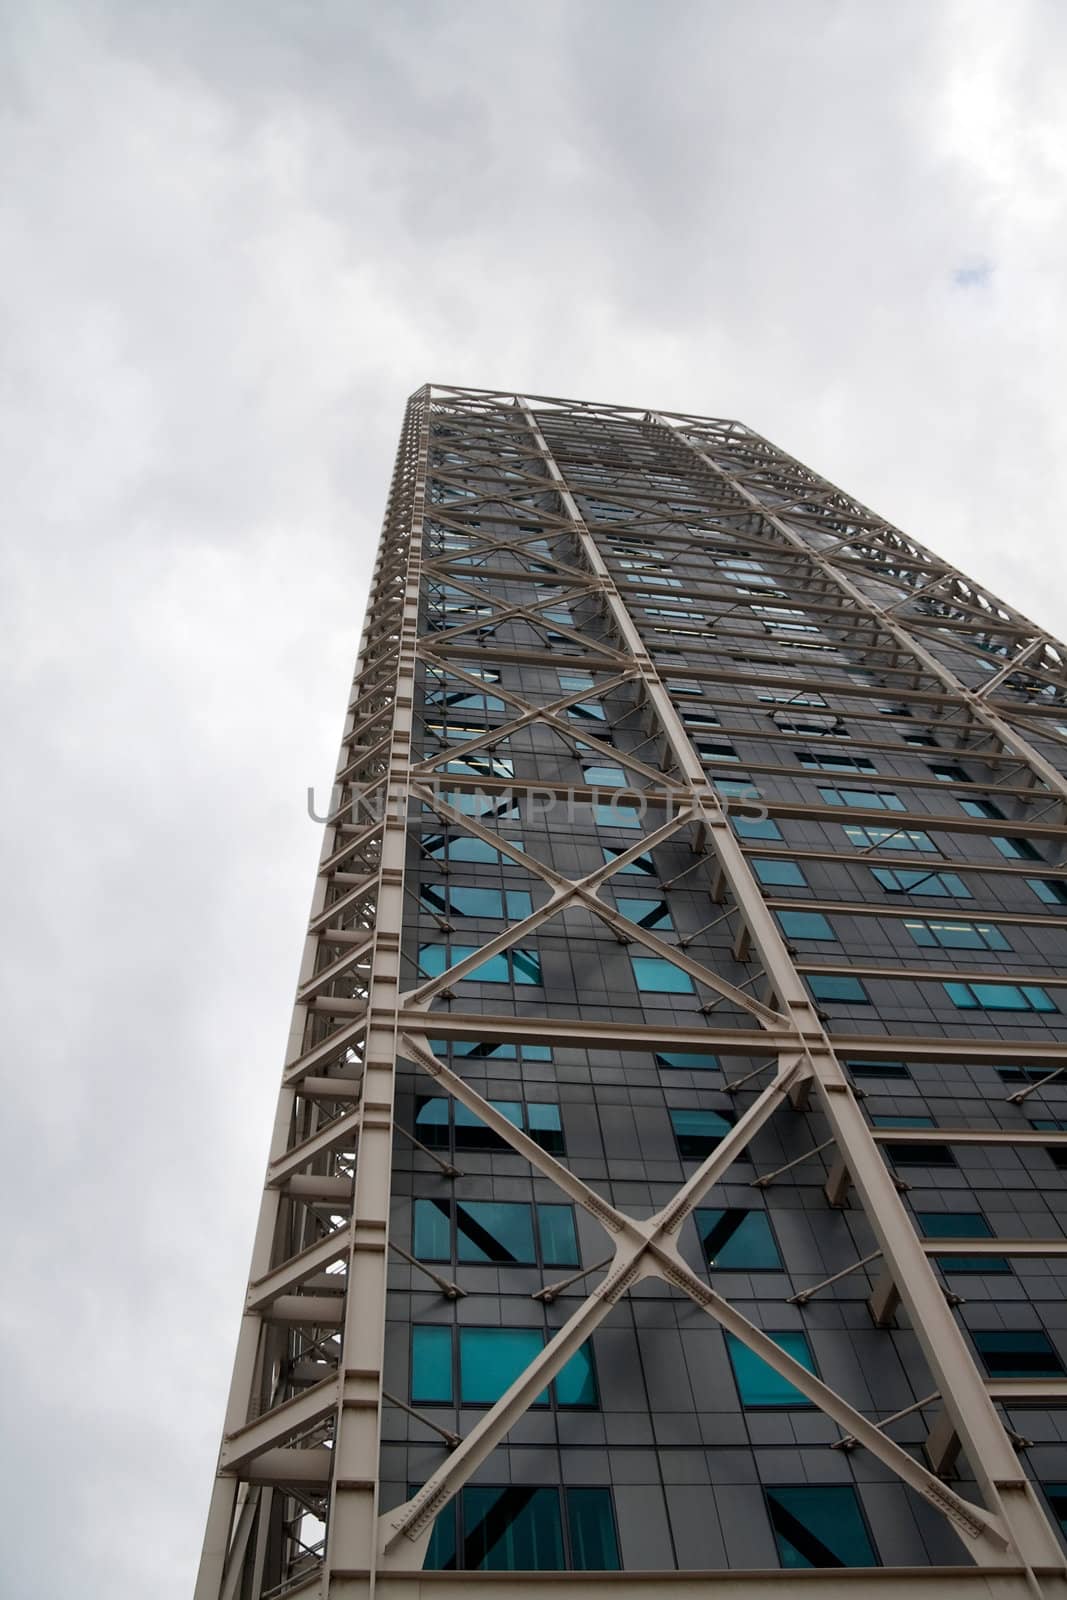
669, 1180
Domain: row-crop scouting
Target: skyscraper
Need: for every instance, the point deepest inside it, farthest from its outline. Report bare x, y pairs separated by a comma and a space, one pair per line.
670, 1168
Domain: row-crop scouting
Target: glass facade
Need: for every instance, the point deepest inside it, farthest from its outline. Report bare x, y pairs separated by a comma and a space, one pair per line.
668, 700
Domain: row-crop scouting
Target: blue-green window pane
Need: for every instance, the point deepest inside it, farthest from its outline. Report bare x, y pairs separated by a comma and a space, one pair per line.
698, 1132
570, 681
544, 1126
527, 966
475, 902
747, 828
1057, 1499
805, 925
904, 880
591, 1525
735, 1240
576, 1384
605, 777
820, 1526
886, 1121
1018, 1355
642, 865
613, 816
872, 799
513, 1529
1017, 849
1038, 998
1051, 890
773, 872
433, 959
647, 913
490, 1359
500, 1231
473, 1134
759, 1385
441, 1550
494, 970
688, 1060
961, 1225
518, 904
432, 1230
431, 1365
559, 1242
587, 710
459, 849
653, 975
431, 1121
878, 1069
845, 991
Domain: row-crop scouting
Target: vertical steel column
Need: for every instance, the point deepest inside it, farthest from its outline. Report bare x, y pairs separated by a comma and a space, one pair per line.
223, 1572
352, 1531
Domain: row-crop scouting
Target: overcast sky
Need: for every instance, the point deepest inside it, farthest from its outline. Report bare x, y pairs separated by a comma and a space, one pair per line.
234, 237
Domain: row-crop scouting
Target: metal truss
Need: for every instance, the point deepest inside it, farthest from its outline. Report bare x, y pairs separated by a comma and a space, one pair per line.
295, 1507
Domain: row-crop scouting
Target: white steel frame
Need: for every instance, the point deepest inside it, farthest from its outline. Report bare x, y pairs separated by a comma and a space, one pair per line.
303, 1426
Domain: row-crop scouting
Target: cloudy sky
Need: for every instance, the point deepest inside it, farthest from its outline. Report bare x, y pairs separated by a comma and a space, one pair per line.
233, 239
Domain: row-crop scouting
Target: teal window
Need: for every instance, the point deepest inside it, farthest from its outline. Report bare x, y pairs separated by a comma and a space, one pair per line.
878, 1069
773, 873
1019, 1354
642, 865
688, 1060
903, 839
839, 991
834, 763
805, 925
485, 1049
961, 1225
431, 1365
462, 848
520, 1528
698, 1132
1056, 1494
717, 752
945, 772
761, 1387
646, 913
873, 799
556, 1234
999, 997
571, 681
653, 975
540, 1119
914, 1155
509, 966
604, 777
476, 902
957, 935
1053, 891
591, 1527
586, 711
819, 1525
500, 1231
981, 808
490, 1359
480, 765
907, 880
735, 1240
1017, 849
614, 816
752, 828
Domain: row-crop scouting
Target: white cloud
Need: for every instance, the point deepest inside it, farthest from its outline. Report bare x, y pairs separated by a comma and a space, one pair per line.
234, 241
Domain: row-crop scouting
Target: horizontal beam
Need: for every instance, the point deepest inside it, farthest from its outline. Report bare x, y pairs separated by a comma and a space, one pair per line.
855, 1583
966, 1136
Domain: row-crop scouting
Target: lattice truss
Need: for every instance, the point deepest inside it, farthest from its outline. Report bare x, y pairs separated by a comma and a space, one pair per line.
486, 558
